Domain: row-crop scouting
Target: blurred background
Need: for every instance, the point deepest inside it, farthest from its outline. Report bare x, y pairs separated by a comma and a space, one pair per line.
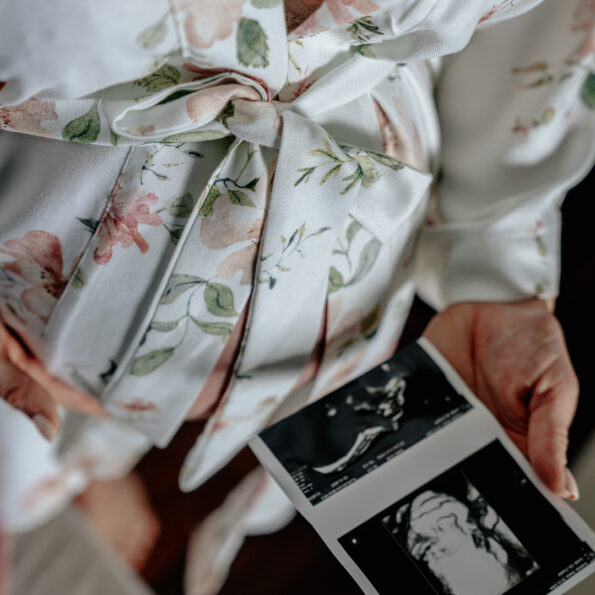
65, 558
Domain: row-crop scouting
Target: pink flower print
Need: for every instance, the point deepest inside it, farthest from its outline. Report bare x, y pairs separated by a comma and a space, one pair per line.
28, 116
523, 129
146, 130
207, 21
119, 224
203, 73
342, 14
299, 12
309, 27
38, 260
223, 228
584, 18
137, 405
304, 86
241, 260
402, 143
488, 14
495, 8
205, 104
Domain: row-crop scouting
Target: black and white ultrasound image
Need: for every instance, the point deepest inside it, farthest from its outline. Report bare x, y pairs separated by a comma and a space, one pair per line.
352, 431
480, 528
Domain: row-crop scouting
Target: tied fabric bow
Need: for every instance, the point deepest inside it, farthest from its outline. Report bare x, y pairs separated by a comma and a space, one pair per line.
317, 184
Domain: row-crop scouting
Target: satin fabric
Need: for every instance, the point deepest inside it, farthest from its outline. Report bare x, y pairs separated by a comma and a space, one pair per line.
210, 166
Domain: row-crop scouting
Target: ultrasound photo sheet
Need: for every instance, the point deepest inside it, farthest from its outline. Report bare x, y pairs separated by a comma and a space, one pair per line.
416, 488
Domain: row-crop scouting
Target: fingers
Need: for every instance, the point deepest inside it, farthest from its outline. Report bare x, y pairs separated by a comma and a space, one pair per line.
552, 407
23, 393
60, 392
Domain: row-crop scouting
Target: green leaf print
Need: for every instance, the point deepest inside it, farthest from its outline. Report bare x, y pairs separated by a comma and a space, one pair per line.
90, 223
252, 44
352, 230
308, 171
180, 207
362, 30
175, 233
318, 232
227, 112
153, 35
163, 326
370, 322
85, 128
222, 329
365, 172
240, 198
326, 151
332, 172
113, 137
367, 258
266, 3
541, 247
106, 376
177, 285
385, 160
206, 209
299, 231
369, 172
335, 280
588, 91
364, 50
290, 247
162, 78
197, 135
145, 364
251, 184
353, 179
219, 300
79, 279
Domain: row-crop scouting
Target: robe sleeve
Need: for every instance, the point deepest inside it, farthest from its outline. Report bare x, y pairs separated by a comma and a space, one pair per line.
516, 107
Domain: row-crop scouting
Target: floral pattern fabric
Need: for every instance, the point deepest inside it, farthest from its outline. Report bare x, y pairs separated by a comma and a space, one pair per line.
283, 187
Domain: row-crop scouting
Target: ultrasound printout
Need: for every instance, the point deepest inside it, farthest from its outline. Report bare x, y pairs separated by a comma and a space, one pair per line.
331, 443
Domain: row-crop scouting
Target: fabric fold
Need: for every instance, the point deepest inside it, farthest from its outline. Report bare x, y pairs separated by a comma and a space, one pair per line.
299, 236
196, 301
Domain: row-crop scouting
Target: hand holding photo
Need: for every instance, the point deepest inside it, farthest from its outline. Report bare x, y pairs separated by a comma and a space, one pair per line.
416, 488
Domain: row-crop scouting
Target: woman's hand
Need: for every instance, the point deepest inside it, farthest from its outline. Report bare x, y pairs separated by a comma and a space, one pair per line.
27, 386
514, 358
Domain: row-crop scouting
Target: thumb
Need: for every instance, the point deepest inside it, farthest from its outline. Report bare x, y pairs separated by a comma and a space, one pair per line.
551, 409
23, 393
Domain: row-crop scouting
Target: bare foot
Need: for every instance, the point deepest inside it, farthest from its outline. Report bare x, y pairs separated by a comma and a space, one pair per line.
121, 513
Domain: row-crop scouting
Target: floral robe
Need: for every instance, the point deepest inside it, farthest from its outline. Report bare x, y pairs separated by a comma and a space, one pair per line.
205, 173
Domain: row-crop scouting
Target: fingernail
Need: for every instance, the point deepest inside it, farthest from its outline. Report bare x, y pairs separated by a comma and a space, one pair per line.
44, 426
571, 485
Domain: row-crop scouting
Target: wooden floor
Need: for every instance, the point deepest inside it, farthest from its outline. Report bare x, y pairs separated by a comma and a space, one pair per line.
294, 560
